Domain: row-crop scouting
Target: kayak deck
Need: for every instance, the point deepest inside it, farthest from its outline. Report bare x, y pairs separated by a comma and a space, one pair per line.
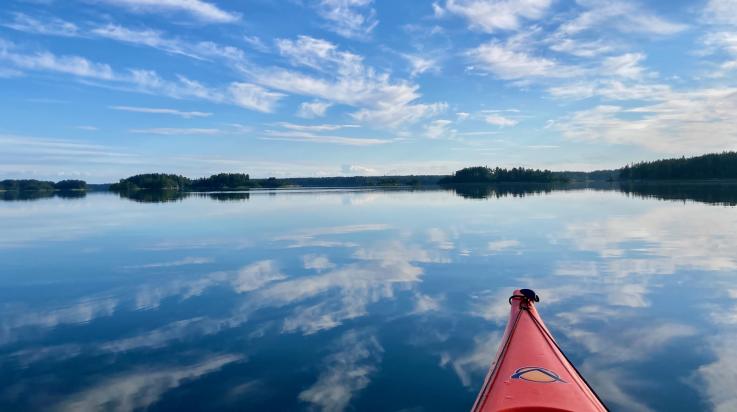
530, 372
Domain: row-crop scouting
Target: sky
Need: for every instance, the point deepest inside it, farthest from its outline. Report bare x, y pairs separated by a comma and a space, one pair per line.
103, 89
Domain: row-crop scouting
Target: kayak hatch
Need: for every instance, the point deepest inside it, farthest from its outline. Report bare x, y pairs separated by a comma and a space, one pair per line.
530, 372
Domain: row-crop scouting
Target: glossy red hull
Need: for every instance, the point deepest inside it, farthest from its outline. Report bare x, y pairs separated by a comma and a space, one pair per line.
530, 372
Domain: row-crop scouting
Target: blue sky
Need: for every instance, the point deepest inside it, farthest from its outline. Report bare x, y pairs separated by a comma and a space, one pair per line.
102, 89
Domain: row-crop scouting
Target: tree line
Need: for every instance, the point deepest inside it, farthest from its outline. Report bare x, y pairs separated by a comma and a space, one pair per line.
171, 182
710, 166
28, 185
242, 181
483, 174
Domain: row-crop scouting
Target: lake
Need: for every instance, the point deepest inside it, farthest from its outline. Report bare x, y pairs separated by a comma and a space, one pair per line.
362, 300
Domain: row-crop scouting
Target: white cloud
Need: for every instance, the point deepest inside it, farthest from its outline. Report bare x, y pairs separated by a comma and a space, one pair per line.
256, 43
425, 303
174, 131
727, 42
492, 15
246, 95
580, 48
256, 275
684, 123
612, 90
138, 390
320, 55
626, 65
718, 378
438, 128
347, 371
354, 19
420, 64
501, 245
74, 65
201, 10
313, 109
501, 121
155, 110
156, 39
53, 27
317, 127
202, 50
508, 63
254, 97
671, 237
189, 260
343, 78
722, 11
440, 239
357, 170
476, 361
317, 262
624, 16
390, 115
300, 136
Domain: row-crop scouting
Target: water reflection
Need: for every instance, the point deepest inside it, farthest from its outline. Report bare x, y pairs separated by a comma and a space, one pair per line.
36, 195
360, 300
472, 191
719, 193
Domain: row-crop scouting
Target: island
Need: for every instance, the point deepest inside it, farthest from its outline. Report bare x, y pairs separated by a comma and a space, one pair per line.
487, 175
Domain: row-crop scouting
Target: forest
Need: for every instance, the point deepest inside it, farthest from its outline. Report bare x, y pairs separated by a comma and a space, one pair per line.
485, 175
171, 182
710, 166
28, 185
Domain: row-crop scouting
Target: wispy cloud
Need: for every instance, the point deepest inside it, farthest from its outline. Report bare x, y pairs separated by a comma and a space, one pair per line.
246, 95
140, 389
201, 50
172, 131
343, 78
154, 110
43, 60
311, 110
439, 128
189, 260
354, 19
200, 10
677, 124
493, 15
499, 120
347, 371
88, 128
317, 127
506, 62
54, 26
300, 136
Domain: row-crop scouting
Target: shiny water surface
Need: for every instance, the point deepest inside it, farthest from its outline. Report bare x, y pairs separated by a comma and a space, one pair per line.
362, 300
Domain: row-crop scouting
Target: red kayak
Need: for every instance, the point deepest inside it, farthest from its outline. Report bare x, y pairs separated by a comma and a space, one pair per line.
530, 372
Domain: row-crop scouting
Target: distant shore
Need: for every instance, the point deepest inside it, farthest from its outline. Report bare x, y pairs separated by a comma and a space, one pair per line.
716, 168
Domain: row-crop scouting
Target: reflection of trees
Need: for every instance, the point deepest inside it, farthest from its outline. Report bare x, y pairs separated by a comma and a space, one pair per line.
163, 196
473, 191
714, 192
28, 195
720, 193
226, 196
153, 196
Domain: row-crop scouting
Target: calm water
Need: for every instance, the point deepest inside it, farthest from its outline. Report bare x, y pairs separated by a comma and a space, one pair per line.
362, 300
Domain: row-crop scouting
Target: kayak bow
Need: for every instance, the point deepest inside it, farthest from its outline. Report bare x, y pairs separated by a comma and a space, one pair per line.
530, 372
